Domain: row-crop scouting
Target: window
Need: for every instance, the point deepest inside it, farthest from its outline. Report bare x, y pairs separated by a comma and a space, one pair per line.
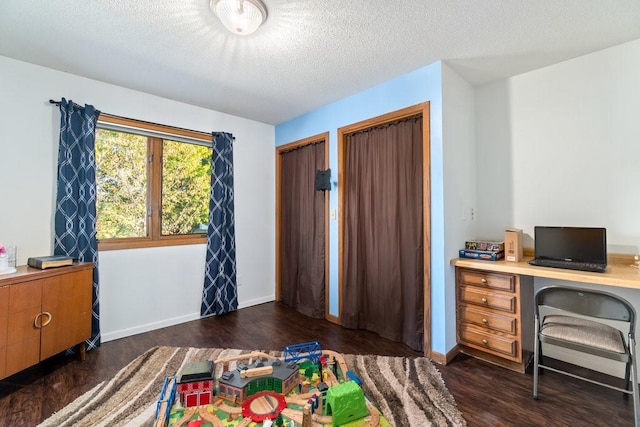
153, 184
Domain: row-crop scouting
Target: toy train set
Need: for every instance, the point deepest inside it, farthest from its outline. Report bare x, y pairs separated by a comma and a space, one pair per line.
305, 387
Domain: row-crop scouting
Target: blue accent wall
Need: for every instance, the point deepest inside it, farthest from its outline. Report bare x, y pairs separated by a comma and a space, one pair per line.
424, 84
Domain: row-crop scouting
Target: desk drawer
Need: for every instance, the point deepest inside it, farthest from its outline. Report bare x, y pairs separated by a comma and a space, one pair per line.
486, 341
502, 282
486, 319
479, 297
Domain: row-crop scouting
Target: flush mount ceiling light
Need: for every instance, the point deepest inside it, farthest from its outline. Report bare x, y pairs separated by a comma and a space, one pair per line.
242, 17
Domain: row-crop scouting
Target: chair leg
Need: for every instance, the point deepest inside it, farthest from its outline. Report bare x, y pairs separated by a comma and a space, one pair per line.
536, 360
634, 383
634, 386
540, 359
627, 373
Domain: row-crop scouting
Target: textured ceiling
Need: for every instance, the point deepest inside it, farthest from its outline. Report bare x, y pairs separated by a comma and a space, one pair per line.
309, 52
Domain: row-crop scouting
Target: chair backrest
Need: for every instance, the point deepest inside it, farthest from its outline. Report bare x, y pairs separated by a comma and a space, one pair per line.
587, 302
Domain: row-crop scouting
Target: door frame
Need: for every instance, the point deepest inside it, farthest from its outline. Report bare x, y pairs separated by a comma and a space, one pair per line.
320, 138
418, 109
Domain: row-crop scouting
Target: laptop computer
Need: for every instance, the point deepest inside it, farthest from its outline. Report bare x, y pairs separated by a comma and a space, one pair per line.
574, 248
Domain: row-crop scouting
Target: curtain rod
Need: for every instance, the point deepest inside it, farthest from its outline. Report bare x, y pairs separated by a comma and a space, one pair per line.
51, 101
54, 102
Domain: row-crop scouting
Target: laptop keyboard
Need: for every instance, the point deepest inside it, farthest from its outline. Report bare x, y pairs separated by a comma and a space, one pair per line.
570, 265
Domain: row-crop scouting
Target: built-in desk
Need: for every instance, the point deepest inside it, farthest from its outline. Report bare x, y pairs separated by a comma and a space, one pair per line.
619, 271
494, 304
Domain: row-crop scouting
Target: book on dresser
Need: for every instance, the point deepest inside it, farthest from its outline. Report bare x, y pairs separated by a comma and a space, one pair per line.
43, 262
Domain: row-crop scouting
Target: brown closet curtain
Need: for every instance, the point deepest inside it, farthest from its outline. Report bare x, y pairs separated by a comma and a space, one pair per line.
302, 285
383, 281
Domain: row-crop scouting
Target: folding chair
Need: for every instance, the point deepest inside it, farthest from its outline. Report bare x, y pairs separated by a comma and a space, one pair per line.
585, 335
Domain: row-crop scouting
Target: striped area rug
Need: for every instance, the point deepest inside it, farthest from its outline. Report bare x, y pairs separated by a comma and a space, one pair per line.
408, 391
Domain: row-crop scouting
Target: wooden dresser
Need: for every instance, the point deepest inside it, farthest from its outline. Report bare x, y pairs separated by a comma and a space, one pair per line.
495, 316
500, 329
42, 313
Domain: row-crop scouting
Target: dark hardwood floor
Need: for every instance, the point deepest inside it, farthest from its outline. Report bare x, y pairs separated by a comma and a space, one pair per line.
487, 395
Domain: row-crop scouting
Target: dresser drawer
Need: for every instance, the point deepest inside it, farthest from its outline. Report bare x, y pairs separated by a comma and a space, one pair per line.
502, 282
484, 340
496, 301
493, 321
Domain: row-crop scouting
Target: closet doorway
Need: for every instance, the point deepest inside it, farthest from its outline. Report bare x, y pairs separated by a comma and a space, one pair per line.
302, 227
384, 226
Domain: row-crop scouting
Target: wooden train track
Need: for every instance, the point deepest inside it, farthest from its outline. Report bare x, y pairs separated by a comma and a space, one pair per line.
253, 355
374, 421
245, 422
186, 417
229, 409
210, 417
162, 410
339, 359
295, 415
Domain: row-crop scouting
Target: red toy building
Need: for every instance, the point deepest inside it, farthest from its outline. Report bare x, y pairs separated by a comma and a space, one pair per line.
196, 384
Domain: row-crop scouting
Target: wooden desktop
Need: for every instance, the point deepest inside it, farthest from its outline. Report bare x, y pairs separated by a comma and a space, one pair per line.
620, 271
494, 303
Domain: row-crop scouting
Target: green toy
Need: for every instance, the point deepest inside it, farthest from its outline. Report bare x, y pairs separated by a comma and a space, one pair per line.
345, 403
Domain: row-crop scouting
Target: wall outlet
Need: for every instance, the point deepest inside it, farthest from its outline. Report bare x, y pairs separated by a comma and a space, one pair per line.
333, 213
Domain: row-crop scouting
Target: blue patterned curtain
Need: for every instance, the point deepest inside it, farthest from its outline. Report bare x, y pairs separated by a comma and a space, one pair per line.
75, 217
220, 294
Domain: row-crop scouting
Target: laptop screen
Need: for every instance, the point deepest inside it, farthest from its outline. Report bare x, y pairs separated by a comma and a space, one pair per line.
580, 244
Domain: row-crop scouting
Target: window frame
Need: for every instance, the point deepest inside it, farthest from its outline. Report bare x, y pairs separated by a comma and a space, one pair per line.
155, 133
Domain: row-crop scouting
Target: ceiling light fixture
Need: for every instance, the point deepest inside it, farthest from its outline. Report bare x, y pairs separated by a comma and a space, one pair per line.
242, 17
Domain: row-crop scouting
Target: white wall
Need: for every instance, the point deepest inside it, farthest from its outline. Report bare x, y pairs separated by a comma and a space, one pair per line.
460, 205
560, 146
141, 289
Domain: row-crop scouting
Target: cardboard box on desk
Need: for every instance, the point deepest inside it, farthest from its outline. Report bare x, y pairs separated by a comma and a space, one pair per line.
513, 245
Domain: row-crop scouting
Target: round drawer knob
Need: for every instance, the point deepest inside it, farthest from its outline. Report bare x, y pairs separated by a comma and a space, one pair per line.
485, 321
484, 281
485, 342
484, 300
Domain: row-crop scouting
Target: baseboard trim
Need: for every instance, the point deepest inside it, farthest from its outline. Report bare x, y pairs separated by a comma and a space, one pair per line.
444, 359
127, 332
147, 327
496, 360
256, 301
333, 319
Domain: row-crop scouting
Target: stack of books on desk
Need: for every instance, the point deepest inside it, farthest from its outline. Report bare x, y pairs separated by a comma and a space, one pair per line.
488, 250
